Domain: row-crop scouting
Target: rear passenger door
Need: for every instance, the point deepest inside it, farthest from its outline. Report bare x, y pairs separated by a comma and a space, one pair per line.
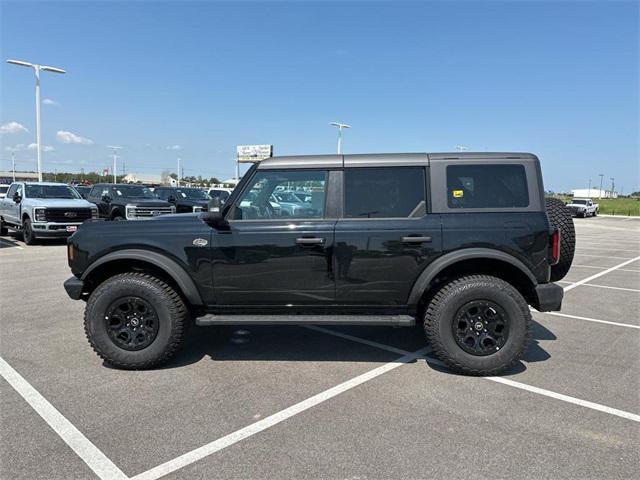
386, 236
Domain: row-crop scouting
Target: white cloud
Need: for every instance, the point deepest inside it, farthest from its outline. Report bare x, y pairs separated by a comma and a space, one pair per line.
68, 137
174, 147
48, 101
12, 127
45, 148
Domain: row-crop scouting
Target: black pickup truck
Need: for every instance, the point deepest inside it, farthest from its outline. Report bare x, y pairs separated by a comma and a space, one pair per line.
185, 199
462, 243
117, 201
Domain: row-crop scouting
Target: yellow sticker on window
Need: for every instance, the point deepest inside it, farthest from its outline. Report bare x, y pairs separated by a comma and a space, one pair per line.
458, 193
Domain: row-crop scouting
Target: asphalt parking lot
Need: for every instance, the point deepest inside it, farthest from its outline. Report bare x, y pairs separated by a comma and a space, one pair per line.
294, 402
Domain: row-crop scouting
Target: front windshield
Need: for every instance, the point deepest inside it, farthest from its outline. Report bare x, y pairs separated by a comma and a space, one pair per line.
580, 202
51, 191
133, 191
193, 194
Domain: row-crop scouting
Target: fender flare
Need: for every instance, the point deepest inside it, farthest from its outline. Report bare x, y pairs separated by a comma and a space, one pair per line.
166, 264
431, 271
120, 210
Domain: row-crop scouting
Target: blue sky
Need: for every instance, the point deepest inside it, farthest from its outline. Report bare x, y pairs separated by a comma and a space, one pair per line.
559, 79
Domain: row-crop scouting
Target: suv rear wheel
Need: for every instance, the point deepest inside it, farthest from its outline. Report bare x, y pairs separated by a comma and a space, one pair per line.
135, 321
478, 325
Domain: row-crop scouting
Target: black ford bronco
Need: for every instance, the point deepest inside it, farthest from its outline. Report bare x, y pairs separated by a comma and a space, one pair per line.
462, 243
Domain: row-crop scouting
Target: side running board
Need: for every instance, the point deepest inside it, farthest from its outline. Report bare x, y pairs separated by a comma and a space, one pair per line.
382, 320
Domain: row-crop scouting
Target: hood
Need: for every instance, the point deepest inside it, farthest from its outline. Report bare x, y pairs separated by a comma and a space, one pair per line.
60, 202
192, 203
140, 202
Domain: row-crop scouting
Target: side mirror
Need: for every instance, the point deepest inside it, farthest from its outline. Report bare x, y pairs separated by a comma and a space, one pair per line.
17, 198
214, 215
171, 199
106, 198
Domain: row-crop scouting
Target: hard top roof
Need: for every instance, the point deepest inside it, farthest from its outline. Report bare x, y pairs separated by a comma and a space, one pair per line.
386, 159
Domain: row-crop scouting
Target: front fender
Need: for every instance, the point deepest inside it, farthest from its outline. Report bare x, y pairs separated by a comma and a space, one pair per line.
168, 265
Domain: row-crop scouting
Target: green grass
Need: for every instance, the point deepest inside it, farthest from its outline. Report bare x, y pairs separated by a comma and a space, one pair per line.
615, 206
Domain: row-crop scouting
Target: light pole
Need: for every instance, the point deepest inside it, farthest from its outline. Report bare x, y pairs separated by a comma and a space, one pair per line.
613, 186
340, 127
601, 175
178, 174
13, 163
36, 69
115, 159
589, 194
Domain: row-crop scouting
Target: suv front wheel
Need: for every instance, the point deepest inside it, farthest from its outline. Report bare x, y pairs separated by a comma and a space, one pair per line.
478, 325
135, 321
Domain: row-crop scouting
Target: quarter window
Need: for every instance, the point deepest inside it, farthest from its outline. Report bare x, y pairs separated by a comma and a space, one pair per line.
487, 186
263, 198
385, 192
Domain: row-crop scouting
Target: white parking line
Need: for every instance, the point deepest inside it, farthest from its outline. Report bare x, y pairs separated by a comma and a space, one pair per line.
595, 320
87, 451
268, 422
602, 268
606, 286
601, 256
599, 274
541, 391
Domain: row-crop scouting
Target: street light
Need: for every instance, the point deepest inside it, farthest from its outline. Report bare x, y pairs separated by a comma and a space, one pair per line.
340, 127
601, 175
36, 69
115, 158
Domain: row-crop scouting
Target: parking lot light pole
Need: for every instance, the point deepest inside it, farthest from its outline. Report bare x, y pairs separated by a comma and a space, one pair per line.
115, 159
601, 175
340, 127
36, 69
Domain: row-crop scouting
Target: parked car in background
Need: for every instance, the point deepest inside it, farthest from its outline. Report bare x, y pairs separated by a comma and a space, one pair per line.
83, 190
116, 201
185, 199
221, 193
43, 210
583, 207
3, 190
291, 203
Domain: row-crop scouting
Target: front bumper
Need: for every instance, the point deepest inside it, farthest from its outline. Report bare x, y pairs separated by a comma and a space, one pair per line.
53, 230
548, 297
74, 287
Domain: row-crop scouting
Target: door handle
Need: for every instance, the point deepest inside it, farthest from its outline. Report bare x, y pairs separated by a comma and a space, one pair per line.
416, 239
309, 241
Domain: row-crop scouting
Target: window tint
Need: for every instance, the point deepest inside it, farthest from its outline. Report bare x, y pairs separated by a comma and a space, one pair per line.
12, 190
487, 186
259, 202
384, 192
223, 195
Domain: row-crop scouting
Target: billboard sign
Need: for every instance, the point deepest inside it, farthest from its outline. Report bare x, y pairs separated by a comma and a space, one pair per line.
253, 153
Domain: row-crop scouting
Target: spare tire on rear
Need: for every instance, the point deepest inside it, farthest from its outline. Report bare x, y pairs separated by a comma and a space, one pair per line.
560, 217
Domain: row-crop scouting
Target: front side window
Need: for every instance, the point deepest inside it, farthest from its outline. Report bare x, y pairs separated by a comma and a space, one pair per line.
397, 192
487, 186
132, 191
260, 199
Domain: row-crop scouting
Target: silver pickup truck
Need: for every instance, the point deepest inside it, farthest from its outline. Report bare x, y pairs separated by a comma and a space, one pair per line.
43, 210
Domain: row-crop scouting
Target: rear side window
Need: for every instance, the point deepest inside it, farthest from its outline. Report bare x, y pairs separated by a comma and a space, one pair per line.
385, 192
487, 186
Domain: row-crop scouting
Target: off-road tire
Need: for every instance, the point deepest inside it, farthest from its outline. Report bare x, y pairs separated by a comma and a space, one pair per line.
451, 297
3, 228
560, 217
27, 233
172, 314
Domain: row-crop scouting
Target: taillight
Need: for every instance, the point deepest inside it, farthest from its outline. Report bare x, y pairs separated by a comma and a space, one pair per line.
555, 247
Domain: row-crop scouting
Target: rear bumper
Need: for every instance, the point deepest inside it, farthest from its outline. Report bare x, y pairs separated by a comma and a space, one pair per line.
74, 287
549, 297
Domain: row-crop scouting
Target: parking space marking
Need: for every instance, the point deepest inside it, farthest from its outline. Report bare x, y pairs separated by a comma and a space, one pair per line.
542, 391
606, 256
371, 343
268, 422
599, 274
606, 286
87, 451
595, 320
602, 268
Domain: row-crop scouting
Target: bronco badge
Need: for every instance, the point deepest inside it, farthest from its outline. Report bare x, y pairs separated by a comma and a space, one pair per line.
200, 242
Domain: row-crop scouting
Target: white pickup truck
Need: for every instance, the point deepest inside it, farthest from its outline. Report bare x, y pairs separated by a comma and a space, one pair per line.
43, 210
583, 207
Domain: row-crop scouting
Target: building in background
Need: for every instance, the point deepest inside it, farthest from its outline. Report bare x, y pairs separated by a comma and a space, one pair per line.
593, 193
147, 179
6, 176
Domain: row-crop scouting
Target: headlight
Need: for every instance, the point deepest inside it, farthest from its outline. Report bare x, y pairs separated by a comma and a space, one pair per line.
39, 214
130, 211
197, 209
94, 213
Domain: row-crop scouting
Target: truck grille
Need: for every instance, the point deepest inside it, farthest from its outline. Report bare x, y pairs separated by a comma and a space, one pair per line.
149, 212
67, 215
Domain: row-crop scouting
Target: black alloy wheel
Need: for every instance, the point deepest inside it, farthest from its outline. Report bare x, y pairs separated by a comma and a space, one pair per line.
481, 327
132, 323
